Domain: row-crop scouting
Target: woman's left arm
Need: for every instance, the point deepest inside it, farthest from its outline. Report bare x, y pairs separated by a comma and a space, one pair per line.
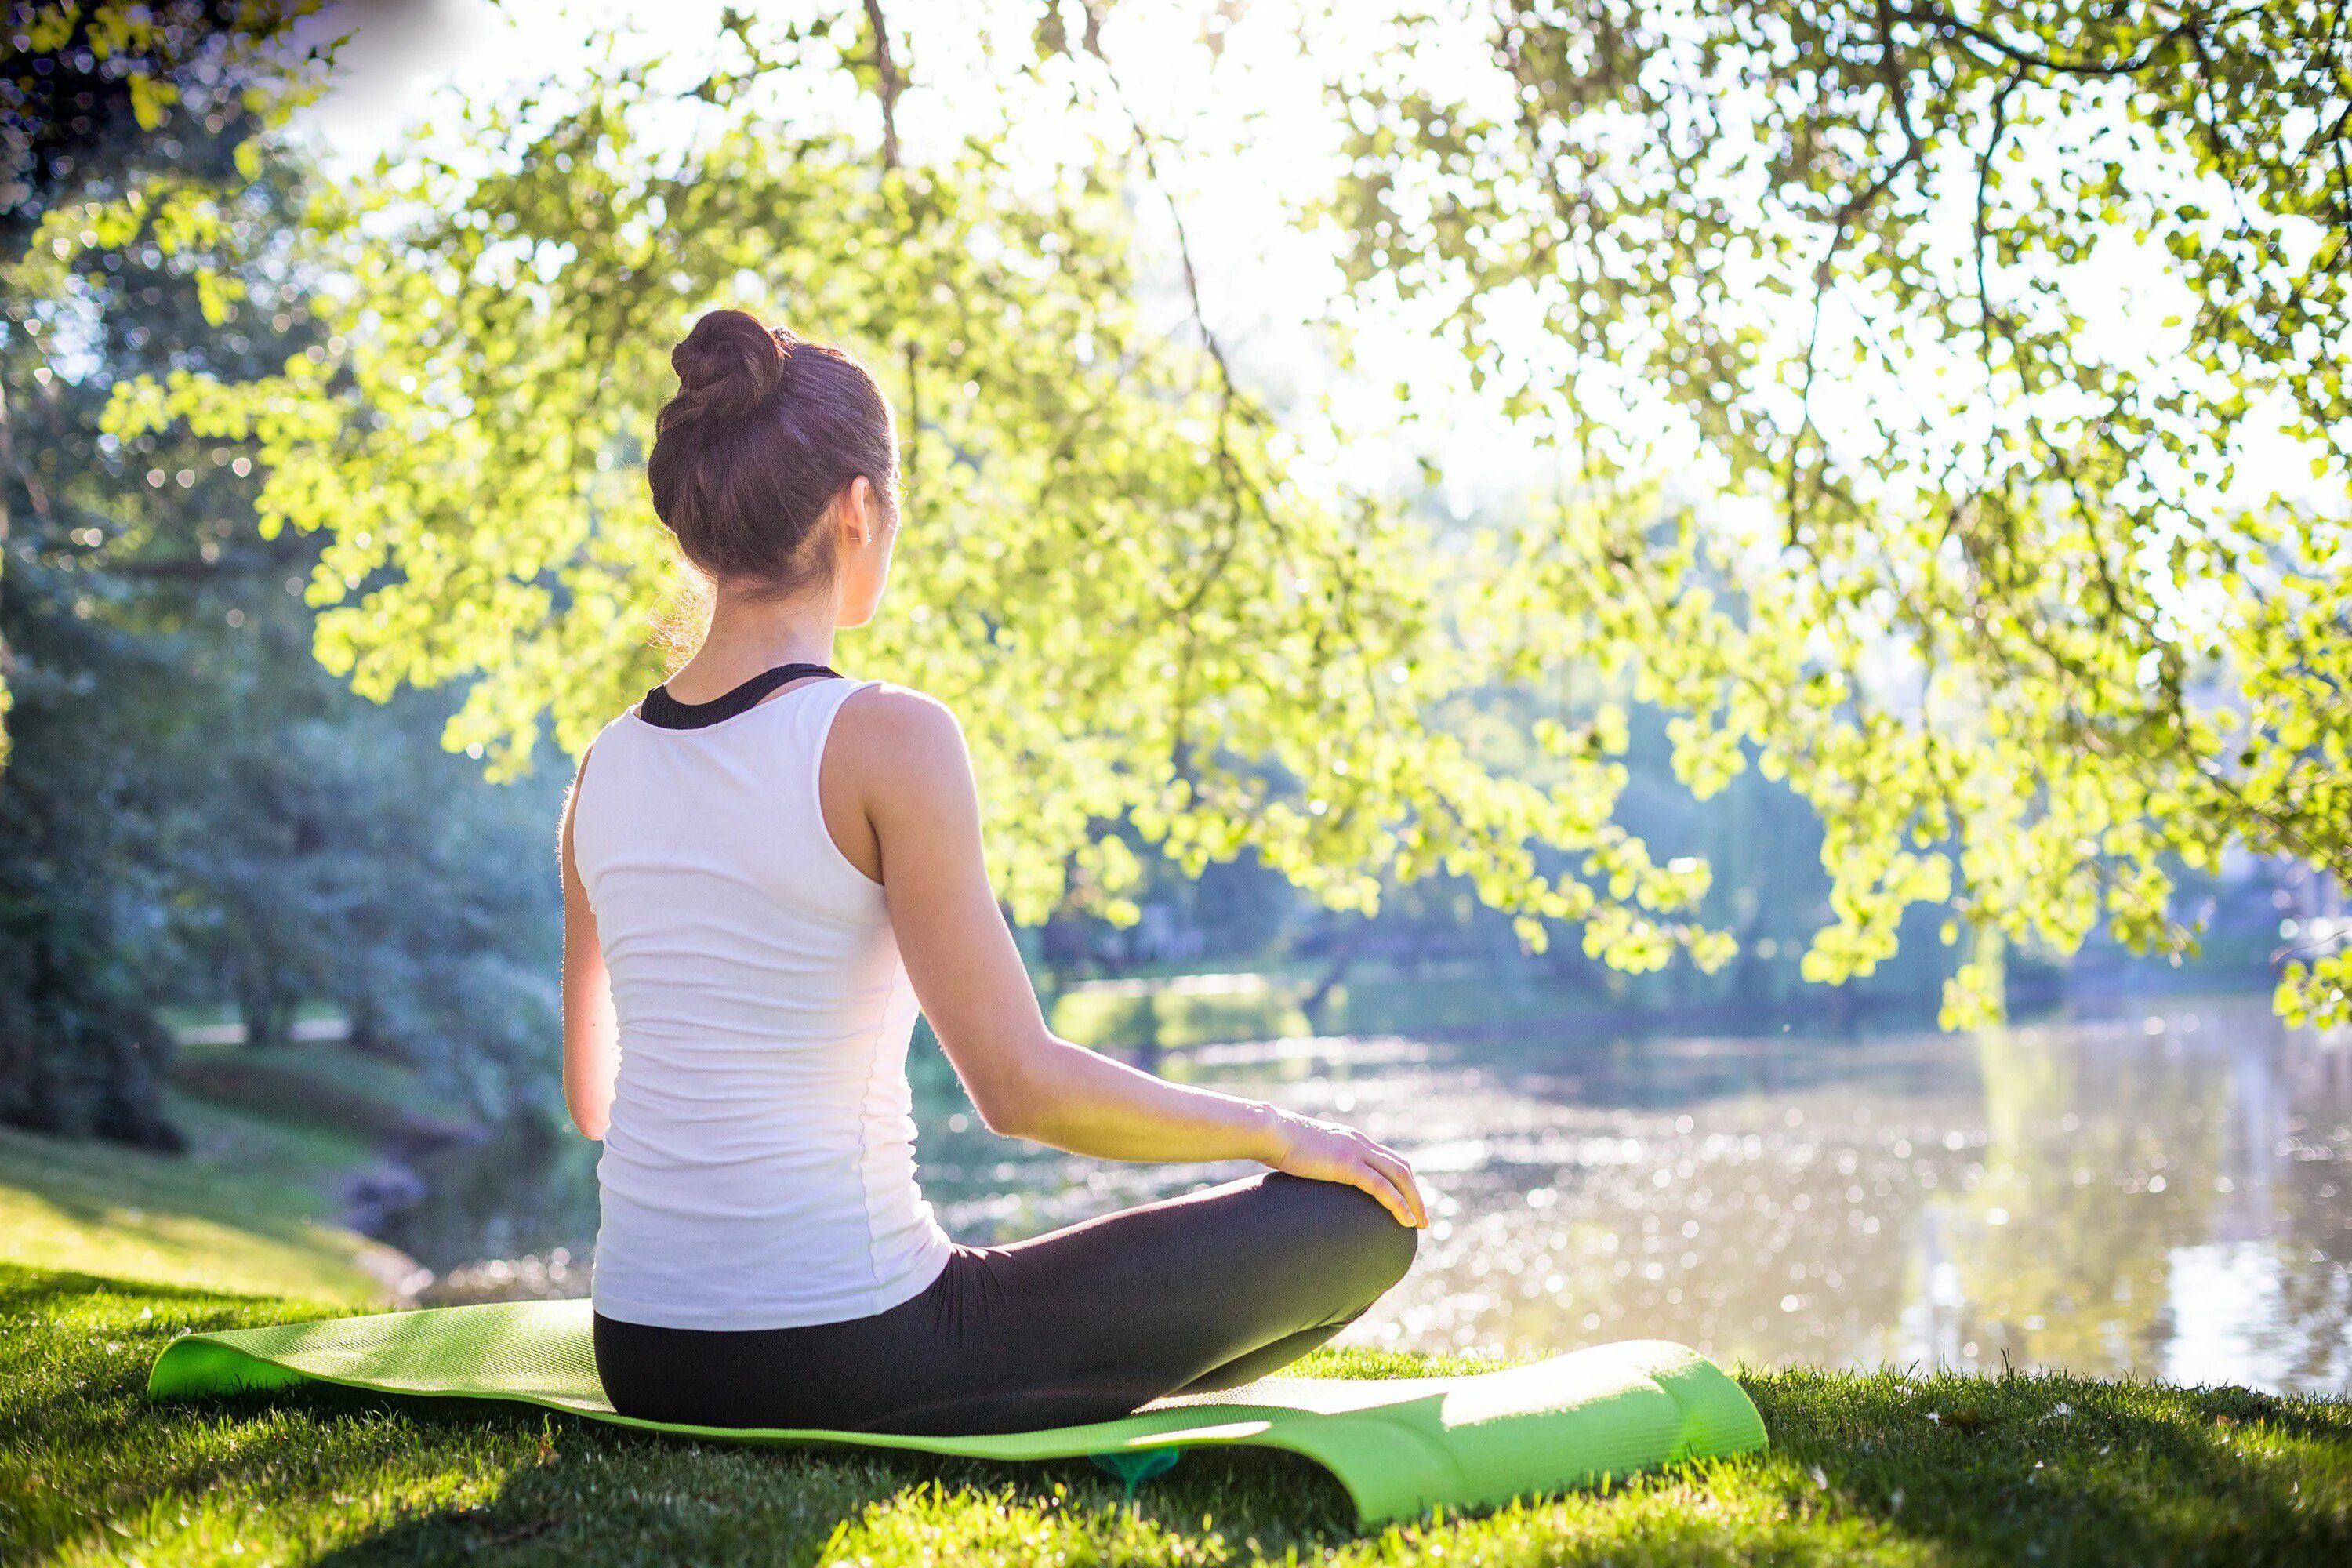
902, 776
592, 1032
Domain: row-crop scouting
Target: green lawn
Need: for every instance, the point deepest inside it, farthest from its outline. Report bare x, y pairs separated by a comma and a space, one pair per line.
318, 1083
2024, 1470
272, 1135
248, 1208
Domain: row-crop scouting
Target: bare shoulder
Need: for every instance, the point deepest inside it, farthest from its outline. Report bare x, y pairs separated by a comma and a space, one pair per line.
888, 728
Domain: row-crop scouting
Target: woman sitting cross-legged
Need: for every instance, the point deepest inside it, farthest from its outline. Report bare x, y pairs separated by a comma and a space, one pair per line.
767, 869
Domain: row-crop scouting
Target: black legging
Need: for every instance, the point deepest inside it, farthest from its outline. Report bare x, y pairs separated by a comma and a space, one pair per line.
1203, 1291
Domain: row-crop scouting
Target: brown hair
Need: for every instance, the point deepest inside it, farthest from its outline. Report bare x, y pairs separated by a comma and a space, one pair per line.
766, 431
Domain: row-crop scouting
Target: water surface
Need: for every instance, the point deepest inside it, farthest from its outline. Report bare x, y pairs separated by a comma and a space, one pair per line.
2162, 1191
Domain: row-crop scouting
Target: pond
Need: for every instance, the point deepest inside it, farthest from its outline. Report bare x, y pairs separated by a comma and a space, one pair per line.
2162, 1191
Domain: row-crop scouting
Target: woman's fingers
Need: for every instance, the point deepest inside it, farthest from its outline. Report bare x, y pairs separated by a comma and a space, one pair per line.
1397, 1169
1400, 1175
1328, 1152
1369, 1178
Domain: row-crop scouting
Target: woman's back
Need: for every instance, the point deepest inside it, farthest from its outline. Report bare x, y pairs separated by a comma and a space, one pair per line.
759, 1167
738, 986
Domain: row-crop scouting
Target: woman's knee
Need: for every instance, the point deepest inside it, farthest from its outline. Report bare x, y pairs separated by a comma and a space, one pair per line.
1393, 1247
1373, 1248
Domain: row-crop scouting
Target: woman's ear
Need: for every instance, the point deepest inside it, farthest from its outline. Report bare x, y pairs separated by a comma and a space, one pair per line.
861, 519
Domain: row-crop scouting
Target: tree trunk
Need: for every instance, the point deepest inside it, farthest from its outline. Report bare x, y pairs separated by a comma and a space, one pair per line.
266, 1009
1342, 959
7, 473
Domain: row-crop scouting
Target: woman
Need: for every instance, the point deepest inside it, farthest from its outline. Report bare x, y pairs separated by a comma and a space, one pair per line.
766, 869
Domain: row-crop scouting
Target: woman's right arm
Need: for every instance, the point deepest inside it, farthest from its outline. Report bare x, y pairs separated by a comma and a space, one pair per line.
591, 1033
901, 802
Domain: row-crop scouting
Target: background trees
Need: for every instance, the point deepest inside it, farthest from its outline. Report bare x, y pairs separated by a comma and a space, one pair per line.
2018, 330
1142, 618
1998, 593
1944, 407
123, 128
192, 810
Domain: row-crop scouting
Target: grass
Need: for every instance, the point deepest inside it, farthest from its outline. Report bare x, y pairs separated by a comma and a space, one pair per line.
319, 1084
1874, 1469
1884, 1469
243, 1210
272, 1133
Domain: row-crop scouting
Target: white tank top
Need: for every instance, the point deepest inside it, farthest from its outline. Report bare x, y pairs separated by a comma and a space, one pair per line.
758, 1170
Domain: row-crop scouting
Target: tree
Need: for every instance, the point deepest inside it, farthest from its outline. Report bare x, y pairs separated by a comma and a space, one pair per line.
121, 126
1141, 620
2033, 616
2024, 644
192, 808
323, 849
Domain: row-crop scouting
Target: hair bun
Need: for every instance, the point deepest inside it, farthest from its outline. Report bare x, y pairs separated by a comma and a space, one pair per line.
729, 364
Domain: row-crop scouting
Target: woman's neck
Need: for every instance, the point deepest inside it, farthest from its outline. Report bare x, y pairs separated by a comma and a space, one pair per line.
749, 635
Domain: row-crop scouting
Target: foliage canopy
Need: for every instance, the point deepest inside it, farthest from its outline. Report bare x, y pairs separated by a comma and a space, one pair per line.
1138, 616
2026, 607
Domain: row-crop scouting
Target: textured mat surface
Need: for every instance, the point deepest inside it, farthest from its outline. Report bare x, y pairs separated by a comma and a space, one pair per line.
1398, 1445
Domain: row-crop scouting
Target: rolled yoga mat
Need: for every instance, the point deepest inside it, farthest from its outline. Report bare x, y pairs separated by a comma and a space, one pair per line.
1398, 1445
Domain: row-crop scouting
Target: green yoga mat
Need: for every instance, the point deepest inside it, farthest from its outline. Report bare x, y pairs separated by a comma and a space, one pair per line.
1398, 1445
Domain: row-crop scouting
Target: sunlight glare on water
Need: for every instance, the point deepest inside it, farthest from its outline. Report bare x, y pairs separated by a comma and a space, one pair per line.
2162, 1194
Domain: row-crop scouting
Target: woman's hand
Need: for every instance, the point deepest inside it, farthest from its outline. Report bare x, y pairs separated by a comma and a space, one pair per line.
1327, 1151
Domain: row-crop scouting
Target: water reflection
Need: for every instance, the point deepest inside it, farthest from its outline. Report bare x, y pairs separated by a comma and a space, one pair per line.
2162, 1194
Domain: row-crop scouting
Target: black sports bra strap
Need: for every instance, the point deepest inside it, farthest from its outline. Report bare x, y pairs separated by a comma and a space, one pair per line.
666, 712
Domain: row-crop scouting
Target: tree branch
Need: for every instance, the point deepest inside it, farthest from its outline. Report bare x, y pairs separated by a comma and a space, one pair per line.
887, 69
1938, 17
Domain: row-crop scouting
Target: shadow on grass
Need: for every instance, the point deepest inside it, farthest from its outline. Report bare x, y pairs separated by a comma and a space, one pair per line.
1978, 1471
1870, 1469
599, 1497
2054, 1468
30, 1290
